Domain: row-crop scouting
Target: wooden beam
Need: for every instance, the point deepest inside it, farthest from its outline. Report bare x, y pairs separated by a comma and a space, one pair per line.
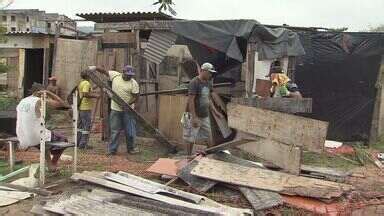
284, 156
141, 25
285, 105
198, 184
377, 124
43, 138
268, 180
281, 127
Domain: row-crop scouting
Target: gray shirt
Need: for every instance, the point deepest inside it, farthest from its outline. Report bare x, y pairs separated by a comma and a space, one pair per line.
202, 90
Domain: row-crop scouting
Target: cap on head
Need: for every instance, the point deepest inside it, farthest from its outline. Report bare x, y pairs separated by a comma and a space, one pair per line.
208, 67
129, 70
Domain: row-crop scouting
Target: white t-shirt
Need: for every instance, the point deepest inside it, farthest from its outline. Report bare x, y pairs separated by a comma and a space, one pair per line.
28, 125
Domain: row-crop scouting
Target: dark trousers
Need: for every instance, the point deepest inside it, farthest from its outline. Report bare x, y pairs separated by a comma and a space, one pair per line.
122, 121
84, 127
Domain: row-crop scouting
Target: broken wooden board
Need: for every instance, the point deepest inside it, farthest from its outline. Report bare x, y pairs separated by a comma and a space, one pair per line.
285, 105
150, 186
97, 178
227, 145
11, 197
325, 172
198, 184
127, 108
81, 205
281, 127
284, 156
167, 166
261, 199
268, 180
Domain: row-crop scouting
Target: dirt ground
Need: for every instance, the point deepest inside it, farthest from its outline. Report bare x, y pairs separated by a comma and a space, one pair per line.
368, 187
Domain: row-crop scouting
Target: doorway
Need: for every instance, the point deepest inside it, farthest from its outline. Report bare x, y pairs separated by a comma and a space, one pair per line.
34, 61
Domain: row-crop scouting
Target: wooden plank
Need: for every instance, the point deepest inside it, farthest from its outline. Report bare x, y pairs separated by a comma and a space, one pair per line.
119, 37
285, 105
281, 127
227, 145
151, 187
11, 197
268, 180
208, 209
171, 110
41, 192
198, 184
377, 124
261, 199
284, 156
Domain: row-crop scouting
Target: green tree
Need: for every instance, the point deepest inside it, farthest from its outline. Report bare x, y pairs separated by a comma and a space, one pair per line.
165, 5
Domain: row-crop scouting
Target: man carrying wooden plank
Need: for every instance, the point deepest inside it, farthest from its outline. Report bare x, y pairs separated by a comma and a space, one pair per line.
28, 125
199, 105
128, 89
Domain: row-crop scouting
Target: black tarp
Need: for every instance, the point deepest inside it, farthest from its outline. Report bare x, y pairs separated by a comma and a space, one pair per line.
224, 42
339, 71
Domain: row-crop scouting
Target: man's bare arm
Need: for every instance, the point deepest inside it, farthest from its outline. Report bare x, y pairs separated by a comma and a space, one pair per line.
135, 98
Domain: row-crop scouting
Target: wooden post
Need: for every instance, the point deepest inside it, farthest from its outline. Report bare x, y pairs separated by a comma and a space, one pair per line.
377, 125
75, 116
11, 156
57, 35
43, 135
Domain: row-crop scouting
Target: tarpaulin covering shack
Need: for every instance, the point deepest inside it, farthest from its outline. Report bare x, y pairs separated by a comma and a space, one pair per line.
339, 71
224, 42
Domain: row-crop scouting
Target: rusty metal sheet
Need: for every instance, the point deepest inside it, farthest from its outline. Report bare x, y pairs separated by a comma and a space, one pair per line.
166, 166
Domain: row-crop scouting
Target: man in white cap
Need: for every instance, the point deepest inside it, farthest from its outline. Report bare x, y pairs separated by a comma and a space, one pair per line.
199, 104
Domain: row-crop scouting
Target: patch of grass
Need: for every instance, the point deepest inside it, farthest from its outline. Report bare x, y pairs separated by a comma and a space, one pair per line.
7, 103
324, 160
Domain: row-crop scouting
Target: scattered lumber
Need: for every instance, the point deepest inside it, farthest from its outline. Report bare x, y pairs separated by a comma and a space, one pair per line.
268, 180
261, 199
284, 156
198, 184
144, 123
281, 127
208, 206
285, 105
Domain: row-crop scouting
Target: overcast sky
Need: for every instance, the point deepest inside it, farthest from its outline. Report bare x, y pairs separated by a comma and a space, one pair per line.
355, 14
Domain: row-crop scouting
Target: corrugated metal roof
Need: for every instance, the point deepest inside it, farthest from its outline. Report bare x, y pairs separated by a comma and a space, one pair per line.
124, 17
158, 45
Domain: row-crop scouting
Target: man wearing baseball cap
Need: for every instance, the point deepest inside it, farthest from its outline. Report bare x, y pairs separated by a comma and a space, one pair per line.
199, 104
127, 88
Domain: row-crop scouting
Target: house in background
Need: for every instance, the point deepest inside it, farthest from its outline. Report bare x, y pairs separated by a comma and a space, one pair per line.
34, 20
29, 46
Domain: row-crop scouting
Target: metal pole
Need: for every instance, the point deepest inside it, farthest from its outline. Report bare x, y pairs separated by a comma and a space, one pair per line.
75, 115
43, 135
11, 156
